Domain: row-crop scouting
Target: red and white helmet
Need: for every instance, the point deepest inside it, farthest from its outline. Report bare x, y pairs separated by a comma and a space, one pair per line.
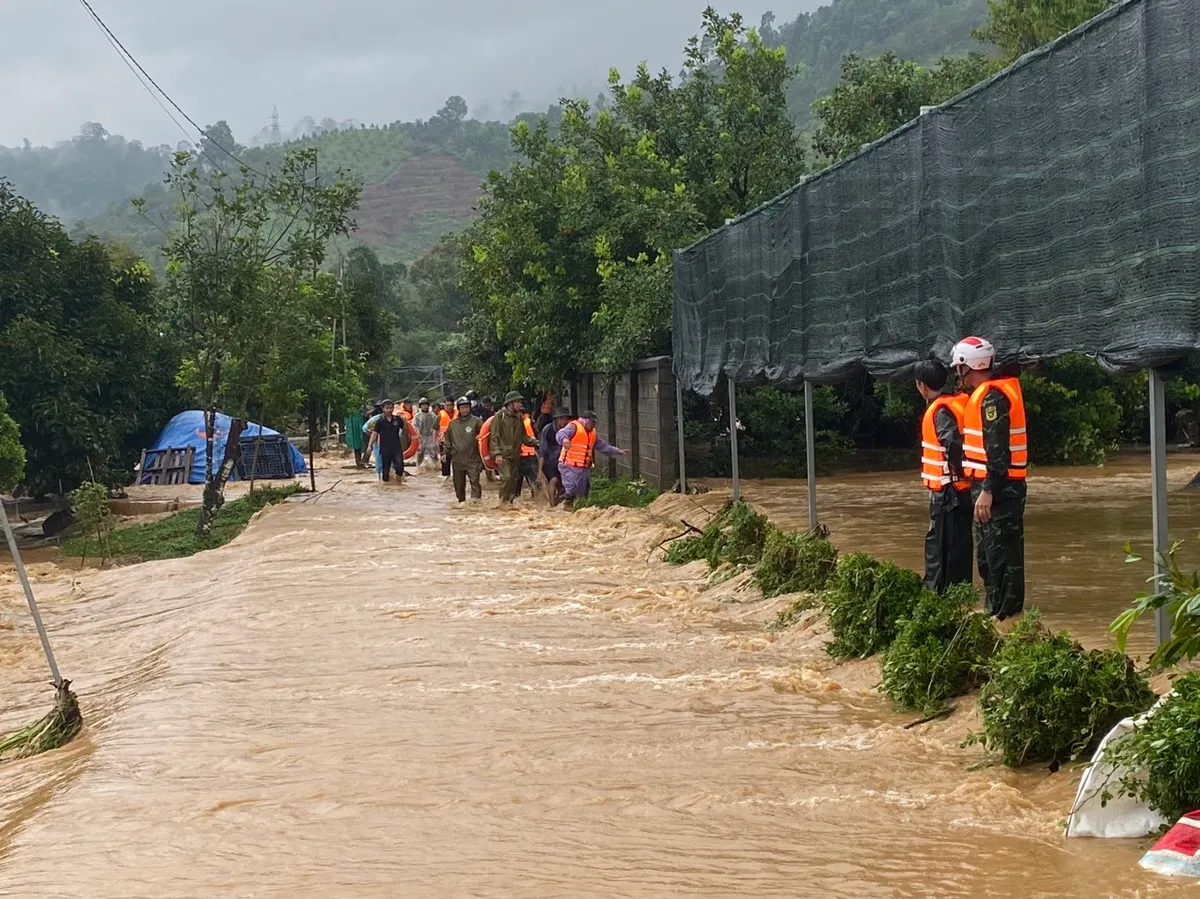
975, 353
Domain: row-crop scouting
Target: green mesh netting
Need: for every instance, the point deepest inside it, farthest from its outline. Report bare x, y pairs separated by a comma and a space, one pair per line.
1054, 208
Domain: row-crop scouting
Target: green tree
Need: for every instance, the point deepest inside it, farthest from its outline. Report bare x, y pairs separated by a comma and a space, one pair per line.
12, 454
567, 266
454, 111
87, 368
240, 251
1016, 27
876, 96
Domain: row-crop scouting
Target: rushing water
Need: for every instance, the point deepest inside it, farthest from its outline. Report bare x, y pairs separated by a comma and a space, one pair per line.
379, 695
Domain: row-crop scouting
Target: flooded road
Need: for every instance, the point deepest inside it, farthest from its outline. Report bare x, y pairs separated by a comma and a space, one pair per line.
379, 695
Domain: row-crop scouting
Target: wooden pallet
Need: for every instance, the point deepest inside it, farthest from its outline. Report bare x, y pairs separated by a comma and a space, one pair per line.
172, 465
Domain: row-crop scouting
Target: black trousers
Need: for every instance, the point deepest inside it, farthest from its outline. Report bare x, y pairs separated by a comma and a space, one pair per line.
527, 473
464, 471
445, 463
392, 458
948, 557
1001, 550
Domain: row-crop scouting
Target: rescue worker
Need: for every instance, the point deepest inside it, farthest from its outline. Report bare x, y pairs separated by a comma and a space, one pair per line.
356, 440
549, 452
445, 414
948, 543
462, 449
485, 410
390, 434
527, 468
580, 443
507, 438
426, 424
995, 458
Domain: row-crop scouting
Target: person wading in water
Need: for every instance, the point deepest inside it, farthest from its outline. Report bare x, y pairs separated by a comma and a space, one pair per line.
580, 443
391, 434
948, 542
996, 453
462, 449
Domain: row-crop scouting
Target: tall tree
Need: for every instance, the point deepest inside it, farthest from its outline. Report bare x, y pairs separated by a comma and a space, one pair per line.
238, 254
1018, 26
877, 96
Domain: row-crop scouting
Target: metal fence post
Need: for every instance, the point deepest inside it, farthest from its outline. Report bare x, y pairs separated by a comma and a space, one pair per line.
679, 426
810, 440
733, 439
1158, 494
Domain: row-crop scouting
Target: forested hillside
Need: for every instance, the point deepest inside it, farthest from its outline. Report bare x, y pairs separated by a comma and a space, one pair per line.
921, 30
422, 178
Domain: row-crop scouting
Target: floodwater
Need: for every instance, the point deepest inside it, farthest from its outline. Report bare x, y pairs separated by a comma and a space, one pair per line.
379, 695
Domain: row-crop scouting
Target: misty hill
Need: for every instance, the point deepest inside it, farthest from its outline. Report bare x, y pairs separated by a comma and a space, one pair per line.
422, 178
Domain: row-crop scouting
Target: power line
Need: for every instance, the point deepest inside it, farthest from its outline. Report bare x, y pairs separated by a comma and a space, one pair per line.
131, 59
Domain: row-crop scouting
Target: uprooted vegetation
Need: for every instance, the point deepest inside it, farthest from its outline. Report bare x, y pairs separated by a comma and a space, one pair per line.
1164, 751
940, 652
866, 601
783, 561
1049, 699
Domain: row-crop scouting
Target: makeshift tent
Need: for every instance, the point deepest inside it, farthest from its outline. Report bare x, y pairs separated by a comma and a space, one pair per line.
187, 429
1054, 208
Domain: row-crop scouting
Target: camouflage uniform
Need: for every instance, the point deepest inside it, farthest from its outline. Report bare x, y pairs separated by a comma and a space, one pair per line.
462, 449
1001, 542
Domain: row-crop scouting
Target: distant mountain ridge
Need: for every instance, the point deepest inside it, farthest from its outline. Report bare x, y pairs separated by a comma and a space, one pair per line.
422, 178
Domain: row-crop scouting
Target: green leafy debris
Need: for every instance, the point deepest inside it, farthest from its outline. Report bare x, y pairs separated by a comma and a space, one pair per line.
940, 652
794, 563
56, 729
867, 601
1162, 756
1049, 699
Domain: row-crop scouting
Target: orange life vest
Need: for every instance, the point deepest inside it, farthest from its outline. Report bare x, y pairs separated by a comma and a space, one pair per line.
580, 452
485, 445
935, 469
547, 404
443, 422
528, 450
974, 453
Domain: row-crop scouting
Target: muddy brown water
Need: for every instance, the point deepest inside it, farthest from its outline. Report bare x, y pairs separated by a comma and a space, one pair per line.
380, 695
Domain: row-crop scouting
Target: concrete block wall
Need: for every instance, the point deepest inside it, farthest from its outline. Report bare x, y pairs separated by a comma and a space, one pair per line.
636, 411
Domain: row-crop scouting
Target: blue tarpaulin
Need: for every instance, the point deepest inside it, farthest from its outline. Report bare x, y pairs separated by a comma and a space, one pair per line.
187, 429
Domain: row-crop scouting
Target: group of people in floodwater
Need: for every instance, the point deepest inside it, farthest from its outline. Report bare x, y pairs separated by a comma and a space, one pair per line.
468, 437
974, 461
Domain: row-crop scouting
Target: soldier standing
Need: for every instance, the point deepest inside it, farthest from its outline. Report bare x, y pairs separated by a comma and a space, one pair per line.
462, 449
996, 453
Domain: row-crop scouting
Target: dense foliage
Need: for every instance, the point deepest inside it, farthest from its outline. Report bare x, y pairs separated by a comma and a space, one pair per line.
12, 454
795, 562
88, 372
1178, 593
1162, 755
867, 602
941, 651
1049, 699
568, 264
735, 536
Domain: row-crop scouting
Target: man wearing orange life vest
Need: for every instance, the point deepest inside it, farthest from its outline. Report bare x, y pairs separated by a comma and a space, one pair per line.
995, 458
948, 543
580, 443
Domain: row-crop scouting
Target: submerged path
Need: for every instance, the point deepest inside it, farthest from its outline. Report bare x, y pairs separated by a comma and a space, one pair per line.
381, 695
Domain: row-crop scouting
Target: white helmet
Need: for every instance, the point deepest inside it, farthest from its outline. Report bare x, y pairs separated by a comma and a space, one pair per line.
975, 353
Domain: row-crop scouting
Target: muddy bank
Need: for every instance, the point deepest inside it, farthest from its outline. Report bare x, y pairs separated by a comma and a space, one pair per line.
381, 692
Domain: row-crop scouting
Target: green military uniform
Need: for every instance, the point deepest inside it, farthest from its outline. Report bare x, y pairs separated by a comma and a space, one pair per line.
1001, 542
507, 438
462, 446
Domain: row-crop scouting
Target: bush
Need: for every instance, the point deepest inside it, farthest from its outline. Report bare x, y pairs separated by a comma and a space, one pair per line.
1179, 595
795, 563
1049, 699
93, 517
608, 491
735, 536
867, 601
12, 454
940, 652
1163, 755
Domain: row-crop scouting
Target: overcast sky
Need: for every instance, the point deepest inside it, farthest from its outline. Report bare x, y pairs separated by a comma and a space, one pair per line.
371, 60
